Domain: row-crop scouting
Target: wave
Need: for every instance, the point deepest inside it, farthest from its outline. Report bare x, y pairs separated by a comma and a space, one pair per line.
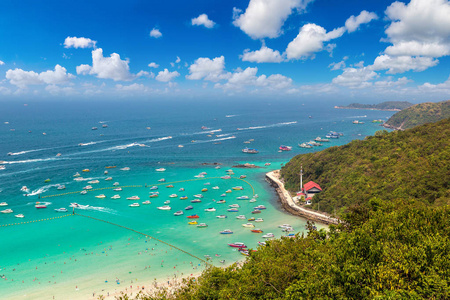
216, 140
30, 160
90, 143
158, 139
42, 189
26, 151
222, 135
354, 117
268, 126
122, 147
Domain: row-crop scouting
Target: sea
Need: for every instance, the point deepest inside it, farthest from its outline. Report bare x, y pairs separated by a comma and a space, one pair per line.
108, 246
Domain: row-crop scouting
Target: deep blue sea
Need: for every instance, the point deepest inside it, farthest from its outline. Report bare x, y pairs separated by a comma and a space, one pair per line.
73, 256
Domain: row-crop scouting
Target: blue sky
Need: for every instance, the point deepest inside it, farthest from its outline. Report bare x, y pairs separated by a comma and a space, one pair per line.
355, 50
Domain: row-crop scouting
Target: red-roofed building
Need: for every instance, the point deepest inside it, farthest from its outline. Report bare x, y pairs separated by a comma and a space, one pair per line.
311, 188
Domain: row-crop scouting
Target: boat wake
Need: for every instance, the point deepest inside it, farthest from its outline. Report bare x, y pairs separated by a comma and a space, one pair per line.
217, 140
356, 117
222, 135
40, 202
41, 189
26, 151
230, 116
30, 160
268, 126
90, 143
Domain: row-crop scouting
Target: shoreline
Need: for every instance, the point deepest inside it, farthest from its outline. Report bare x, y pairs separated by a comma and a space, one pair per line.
289, 205
382, 109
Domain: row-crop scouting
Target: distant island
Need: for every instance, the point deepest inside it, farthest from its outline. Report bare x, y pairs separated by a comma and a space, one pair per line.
419, 114
388, 105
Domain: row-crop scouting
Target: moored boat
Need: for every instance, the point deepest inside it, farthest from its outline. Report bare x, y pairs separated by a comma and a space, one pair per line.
285, 148
178, 213
183, 197
62, 209
165, 207
101, 196
232, 210
154, 187
237, 188
221, 216
257, 230
93, 181
133, 198
117, 189
6, 211
268, 235
146, 202
240, 217
193, 217
256, 211
248, 225
188, 207
226, 231
134, 205
192, 223
242, 198
237, 245
196, 201
211, 209
259, 207
160, 170
19, 216
202, 225
250, 151
115, 197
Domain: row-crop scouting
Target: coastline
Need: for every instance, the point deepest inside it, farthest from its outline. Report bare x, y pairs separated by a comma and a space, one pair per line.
289, 205
382, 109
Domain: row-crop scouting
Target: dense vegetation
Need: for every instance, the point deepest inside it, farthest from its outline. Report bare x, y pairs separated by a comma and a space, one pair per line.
420, 114
392, 191
412, 164
388, 105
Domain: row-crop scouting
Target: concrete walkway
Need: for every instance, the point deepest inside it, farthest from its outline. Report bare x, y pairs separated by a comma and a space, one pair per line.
291, 206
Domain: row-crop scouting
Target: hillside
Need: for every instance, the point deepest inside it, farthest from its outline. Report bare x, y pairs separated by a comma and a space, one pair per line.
419, 114
388, 105
411, 164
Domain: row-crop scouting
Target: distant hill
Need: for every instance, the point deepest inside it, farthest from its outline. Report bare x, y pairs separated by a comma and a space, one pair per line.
419, 114
388, 105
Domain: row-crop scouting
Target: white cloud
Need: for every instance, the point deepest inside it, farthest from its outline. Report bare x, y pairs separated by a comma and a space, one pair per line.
441, 87
263, 55
153, 65
155, 33
135, 87
75, 42
57, 90
355, 77
310, 40
177, 60
203, 20
337, 66
401, 64
208, 69
145, 74
264, 18
352, 24
1, 63
23, 78
419, 28
166, 76
107, 67
389, 82
242, 79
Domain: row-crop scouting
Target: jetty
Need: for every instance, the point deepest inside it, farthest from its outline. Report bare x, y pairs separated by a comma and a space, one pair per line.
289, 204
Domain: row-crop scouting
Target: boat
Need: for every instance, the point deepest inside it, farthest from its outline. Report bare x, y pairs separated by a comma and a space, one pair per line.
199, 176
242, 198
180, 146
108, 178
215, 187
228, 191
62, 209
79, 179
116, 183
319, 139
252, 200
248, 225
188, 207
226, 177
110, 167
76, 174
101, 196
202, 225
284, 225
287, 229
268, 235
83, 192
232, 210
285, 148
117, 189
226, 231
160, 170
19, 216
93, 181
259, 207
204, 128
24, 189
61, 187
237, 245
134, 205
193, 217
85, 170
169, 186
357, 122
162, 180
243, 176
88, 187
7, 211
105, 173
39, 205
133, 198
196, 201
192, 223
333, 135
223, 195
221, 216
246, 142
173, 196
181, 189
146, 202
165, 207
240, 217
154, 187
115, 197
257, 230
251, 219
104, 126
257, 211
94, 128
267, 164
125, 169
313, 143
262, 243
204, 189
250, 151
167, 202
305, 145
198, 196
153, 195
221, 201
237, 188
210, 209
259, 220
178, 213
244, 252
3, 204
183, 197
234, 205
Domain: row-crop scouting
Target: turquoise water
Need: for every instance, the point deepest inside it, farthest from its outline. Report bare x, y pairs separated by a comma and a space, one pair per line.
76, 256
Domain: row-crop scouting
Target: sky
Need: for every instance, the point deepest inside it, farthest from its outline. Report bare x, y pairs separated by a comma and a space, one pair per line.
348, 50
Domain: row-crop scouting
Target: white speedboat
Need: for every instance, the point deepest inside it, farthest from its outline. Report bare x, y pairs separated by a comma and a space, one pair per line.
259, 220
248, 225
260, 207
210, 209
160, 170
6, 211
134, 205
252, 200
78, 179
240, 217
117, 189
88, 187
221, 216
167, 202
101, 196
19, 216
24, 189
61, 187
154, 187
109, 178
3, 204
165, 207
93, 181
235, 205
76, 174
115, 184
125, 169
133, 198
161, 180
146, 202
215, 187
268, 235
173, 196
178, 213
115, 197
62, 209
83, 192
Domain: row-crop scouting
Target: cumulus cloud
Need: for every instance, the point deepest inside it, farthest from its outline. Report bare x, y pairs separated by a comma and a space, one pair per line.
1, 63
242, 79
153, 65
352, 24
419, 28
337, 66
155, 33
355, 77
203, 20
23, 78
441, 87
135, 87
166, 76
389, 82
310, 40
208, 69
75, 42
264, 18
263, 55
107, 67
401, 64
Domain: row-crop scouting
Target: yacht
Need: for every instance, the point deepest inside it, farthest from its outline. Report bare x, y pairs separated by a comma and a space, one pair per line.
125, 169
210, 209
133, 198
134, 205
19, 216
165, 207
115, 184
146, 202
3, 204
62, 209
6, 211
101, 196
117, 189
178, 213
240, 217
160, 170
115, 197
